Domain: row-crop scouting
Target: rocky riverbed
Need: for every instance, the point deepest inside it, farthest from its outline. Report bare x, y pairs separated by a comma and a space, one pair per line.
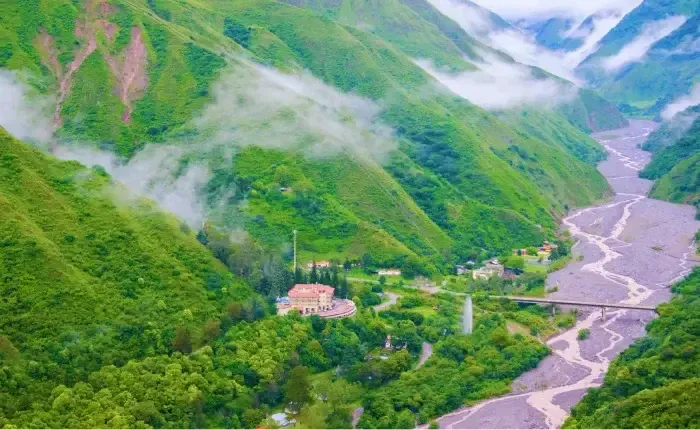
632, 249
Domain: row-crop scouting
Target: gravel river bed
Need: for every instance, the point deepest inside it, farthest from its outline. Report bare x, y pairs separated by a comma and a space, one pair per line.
633, 248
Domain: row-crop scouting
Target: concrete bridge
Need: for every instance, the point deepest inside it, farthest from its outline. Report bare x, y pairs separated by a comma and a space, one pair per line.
568, 302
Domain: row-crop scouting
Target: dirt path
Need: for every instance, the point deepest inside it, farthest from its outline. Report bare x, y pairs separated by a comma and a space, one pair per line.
620, 243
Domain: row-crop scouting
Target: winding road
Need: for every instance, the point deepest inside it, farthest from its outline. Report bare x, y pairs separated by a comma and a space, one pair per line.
633, 248
386, 305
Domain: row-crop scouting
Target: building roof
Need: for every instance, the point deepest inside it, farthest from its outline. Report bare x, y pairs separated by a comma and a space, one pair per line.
300, 291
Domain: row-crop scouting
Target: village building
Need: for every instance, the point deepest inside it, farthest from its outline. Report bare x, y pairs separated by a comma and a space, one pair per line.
461, 270
319, 265
490, 269
547, 247
389, 272
311, 298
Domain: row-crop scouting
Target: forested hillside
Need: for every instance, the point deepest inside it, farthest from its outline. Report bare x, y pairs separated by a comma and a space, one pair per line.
77, 263
129, 74
676, 161
116, 316
89, 281
654, 383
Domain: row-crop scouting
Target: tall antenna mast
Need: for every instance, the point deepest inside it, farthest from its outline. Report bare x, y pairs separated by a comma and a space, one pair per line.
295, 251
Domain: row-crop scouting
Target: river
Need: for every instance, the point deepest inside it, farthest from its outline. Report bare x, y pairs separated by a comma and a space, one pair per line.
632, 249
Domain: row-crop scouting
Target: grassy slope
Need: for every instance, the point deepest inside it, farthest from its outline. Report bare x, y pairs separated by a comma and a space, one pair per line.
73, 260
682, 183
677, 169
397, 24
540, 128
676, 164
441, 138
654, 383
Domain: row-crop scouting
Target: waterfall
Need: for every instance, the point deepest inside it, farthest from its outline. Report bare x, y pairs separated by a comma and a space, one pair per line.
468, 316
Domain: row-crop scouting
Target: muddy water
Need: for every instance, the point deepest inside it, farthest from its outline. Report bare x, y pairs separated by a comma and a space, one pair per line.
632, 249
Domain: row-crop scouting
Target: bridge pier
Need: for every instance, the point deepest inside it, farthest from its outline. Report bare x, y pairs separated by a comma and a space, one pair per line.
554, 310
603, 314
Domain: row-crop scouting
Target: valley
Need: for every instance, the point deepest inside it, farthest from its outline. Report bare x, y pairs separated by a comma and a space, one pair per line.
188, 188
632, 249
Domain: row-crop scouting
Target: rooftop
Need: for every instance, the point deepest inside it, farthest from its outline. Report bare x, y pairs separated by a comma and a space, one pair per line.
310, 290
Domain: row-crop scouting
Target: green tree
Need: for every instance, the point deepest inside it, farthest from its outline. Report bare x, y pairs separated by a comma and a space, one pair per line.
335, 281
343, 288
238, 32
297, 390
515, 263
300, 276
313, 277
182, 341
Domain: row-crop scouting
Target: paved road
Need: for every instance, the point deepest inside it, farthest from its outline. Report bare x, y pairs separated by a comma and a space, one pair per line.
425, 354
392, 301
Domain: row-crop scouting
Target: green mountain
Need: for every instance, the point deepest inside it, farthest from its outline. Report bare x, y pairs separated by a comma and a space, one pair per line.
676, 165
82, 271
461, 180
654, 383
551, 32
668, 69
588, 111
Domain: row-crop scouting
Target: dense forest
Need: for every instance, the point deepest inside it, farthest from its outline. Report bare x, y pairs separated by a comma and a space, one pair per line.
654, 383
119, 316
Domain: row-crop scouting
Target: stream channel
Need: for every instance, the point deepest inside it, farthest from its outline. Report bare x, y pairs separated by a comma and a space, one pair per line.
633, 248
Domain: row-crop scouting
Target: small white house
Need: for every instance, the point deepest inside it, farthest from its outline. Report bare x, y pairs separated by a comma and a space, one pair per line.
389, 272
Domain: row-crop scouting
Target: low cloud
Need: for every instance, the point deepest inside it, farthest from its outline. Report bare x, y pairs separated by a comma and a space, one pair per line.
515, 9
252, 106
601, 24
155, 172
513, 41
522, 46
682, 103
524, 49
23, 113
498, 85
636, 50
259, 106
